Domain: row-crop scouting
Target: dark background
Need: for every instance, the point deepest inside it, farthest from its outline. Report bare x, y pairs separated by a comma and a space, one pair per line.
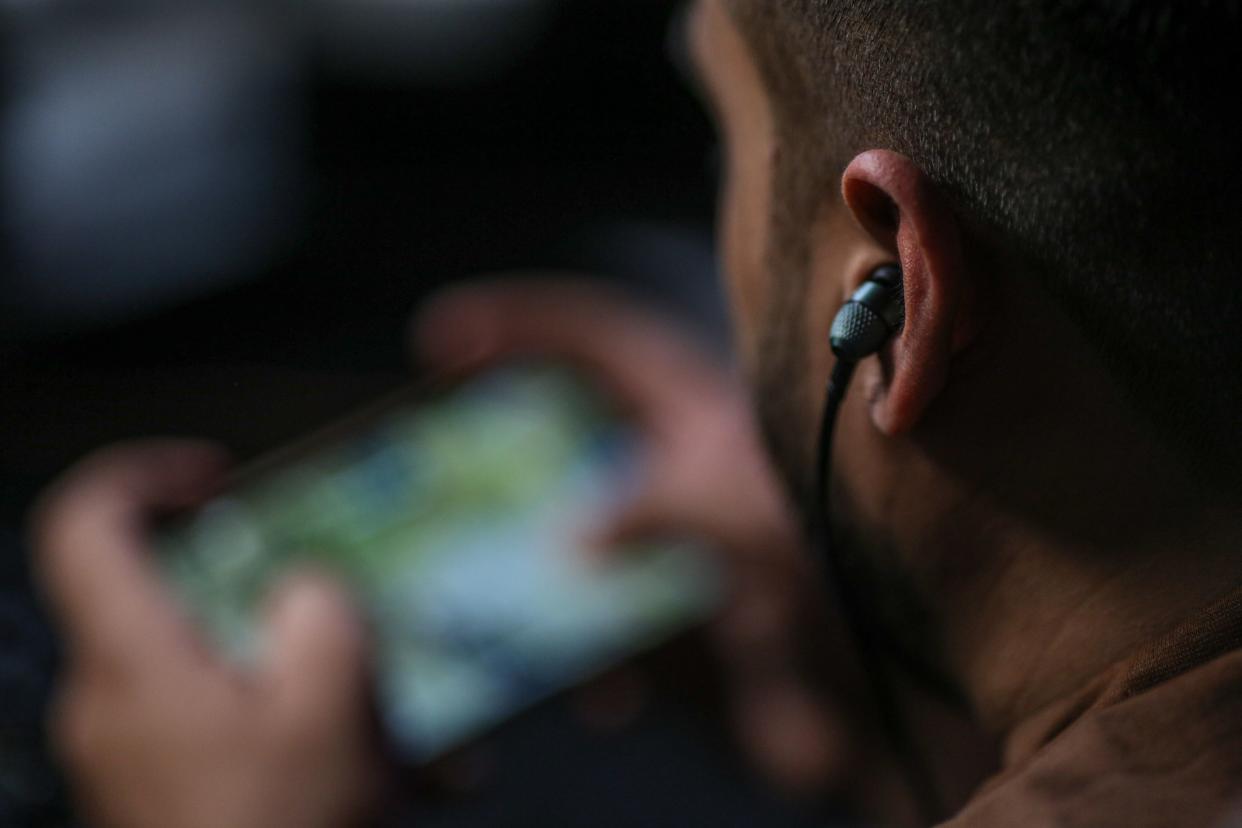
216, 222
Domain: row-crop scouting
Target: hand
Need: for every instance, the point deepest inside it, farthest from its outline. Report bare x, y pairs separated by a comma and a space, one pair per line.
706, 471
705, 474
157, 731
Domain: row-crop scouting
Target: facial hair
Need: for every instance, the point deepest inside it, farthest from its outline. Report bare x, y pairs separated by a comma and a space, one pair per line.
788, 397
788, 408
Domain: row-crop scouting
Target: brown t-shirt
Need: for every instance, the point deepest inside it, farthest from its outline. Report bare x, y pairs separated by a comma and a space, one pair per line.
1156, 741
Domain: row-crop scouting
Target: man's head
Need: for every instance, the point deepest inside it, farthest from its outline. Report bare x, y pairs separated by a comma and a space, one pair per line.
1058, 181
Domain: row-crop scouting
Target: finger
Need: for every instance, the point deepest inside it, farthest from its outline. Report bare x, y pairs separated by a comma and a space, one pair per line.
317, 667
314, 689
92, 551
645, 517
641, 360
793, 736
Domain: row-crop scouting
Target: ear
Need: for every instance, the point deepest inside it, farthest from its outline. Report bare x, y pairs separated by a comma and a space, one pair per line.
897, 205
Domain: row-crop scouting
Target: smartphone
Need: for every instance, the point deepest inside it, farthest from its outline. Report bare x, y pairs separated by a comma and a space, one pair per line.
458, 520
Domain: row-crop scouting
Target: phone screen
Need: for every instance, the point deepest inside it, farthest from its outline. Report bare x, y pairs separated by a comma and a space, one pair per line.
459, 523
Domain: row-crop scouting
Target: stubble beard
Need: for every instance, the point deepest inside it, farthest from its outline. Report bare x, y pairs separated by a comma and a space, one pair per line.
788, 399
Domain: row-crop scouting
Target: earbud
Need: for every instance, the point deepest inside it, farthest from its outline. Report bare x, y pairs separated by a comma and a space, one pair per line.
875, 313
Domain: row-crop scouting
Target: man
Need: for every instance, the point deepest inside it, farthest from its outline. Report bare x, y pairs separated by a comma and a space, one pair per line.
1037, 482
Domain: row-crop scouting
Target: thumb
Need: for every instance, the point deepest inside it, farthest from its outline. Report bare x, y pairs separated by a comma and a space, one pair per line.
662, 509
317, 664
644, 517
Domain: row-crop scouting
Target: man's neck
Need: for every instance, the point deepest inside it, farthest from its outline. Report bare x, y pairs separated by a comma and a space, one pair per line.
1051, 620
1060, 533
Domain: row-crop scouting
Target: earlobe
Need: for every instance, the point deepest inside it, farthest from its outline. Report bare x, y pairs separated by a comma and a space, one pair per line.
897, 205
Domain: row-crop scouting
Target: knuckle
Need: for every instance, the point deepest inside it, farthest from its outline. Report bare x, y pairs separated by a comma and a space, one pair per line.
68, 518
51, 535
57, 512
47, 517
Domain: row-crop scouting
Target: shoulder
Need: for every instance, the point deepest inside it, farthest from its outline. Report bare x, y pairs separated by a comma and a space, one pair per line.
1169, 756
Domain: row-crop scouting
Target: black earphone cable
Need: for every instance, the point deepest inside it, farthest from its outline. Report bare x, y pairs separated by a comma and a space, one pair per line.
892, 720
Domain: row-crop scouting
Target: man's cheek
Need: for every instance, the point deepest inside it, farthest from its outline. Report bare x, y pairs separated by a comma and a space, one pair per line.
743, 224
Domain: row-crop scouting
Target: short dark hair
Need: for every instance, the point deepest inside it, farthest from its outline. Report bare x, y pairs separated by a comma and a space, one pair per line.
1091, 141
